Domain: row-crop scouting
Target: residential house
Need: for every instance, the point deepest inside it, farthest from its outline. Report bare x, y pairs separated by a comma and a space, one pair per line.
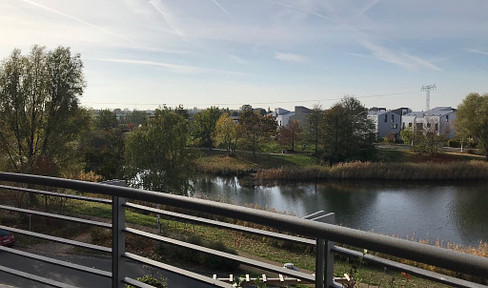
283, 116
387, 123
439, 120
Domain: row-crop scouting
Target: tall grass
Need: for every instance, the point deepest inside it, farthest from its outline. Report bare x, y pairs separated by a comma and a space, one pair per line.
454, 170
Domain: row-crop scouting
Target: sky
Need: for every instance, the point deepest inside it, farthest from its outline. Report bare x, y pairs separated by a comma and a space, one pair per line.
141, 54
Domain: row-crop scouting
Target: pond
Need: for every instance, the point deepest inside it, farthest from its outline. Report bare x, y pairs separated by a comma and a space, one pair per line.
455, 213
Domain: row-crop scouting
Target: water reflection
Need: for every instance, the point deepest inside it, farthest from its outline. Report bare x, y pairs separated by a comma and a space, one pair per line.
456, 213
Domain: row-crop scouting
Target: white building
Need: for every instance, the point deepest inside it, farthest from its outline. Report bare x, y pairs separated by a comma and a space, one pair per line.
439, 120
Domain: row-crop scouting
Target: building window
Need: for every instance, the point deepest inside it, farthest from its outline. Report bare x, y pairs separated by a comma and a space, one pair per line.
428, 125
436, 127
394, 126
392, 118
409, 125
386, 118
447, 118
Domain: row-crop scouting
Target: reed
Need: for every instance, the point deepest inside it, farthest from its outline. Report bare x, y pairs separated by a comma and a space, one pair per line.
454, 170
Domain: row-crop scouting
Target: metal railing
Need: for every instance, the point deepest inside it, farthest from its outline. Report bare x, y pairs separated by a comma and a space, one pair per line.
311, 233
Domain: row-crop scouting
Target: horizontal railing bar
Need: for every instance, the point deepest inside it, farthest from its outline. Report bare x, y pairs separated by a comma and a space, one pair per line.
57, 262
437, 277
237, 258
179, 271
57, 239
57, 216
453, 260
229, 226
35, 278
136, 283
63, 195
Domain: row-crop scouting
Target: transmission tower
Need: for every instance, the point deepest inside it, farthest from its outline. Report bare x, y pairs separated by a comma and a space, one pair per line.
427, 89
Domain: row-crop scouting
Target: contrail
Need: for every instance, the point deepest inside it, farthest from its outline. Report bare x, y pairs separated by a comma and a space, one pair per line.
221, 8
77, 19
300, 10
161, 10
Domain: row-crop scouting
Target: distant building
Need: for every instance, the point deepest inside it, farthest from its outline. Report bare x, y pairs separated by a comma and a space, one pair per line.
283, 116
439, 120
387, 123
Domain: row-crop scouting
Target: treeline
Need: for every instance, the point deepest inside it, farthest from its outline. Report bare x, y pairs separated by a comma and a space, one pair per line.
44, 130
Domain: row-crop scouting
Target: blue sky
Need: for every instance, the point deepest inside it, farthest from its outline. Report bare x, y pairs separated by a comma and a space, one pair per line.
198, 53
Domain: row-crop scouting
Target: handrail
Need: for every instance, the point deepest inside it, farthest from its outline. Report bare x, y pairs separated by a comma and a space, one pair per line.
440, 257
453, 260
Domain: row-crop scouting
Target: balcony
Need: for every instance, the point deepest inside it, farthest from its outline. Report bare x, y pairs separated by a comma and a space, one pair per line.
324, 238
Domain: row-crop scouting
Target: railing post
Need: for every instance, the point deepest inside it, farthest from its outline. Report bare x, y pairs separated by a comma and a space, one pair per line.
324, 257
118, 241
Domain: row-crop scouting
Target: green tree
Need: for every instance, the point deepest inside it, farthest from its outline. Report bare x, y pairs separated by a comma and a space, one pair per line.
40, 117
348, 134
472, 119
226, 134
204, 126
289, 135
254, 129
157, 157
103, 147
312, 130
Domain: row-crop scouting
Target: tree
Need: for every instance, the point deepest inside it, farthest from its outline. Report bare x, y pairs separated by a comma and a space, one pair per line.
204, 126
348, 134
472, 119
226, 134
103, 147
40, 117
289, 135
254, 129
312, 130
157, 157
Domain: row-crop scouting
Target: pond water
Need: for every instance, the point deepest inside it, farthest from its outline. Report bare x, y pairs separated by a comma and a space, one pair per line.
455, 213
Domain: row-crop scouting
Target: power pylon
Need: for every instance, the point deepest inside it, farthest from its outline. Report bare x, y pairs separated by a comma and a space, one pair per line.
427, 89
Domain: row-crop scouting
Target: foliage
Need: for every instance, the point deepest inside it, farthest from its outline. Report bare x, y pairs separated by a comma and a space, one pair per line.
472, 119
158, 281
134, 118
254, 129
312, 132
226, 134
289, 135
103, 147
157, 157
205, 125
348, 133
40, 117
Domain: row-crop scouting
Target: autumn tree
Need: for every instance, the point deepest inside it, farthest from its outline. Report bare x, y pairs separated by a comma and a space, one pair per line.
103, 147
254, 129
348, 134
204, 126
40, 116
312, 131
472, 120
289, 135
226, 134
157, 156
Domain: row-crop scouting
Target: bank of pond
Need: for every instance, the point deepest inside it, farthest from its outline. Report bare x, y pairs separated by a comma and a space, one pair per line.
396, 171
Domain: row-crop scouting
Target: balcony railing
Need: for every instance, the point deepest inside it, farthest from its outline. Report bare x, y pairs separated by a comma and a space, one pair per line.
312, 233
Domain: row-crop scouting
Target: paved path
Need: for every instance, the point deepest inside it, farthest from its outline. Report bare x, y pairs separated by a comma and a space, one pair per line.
69, 276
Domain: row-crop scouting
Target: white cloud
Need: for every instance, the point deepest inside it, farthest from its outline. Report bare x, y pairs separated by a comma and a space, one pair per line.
291, 57
401, 59
172, 67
